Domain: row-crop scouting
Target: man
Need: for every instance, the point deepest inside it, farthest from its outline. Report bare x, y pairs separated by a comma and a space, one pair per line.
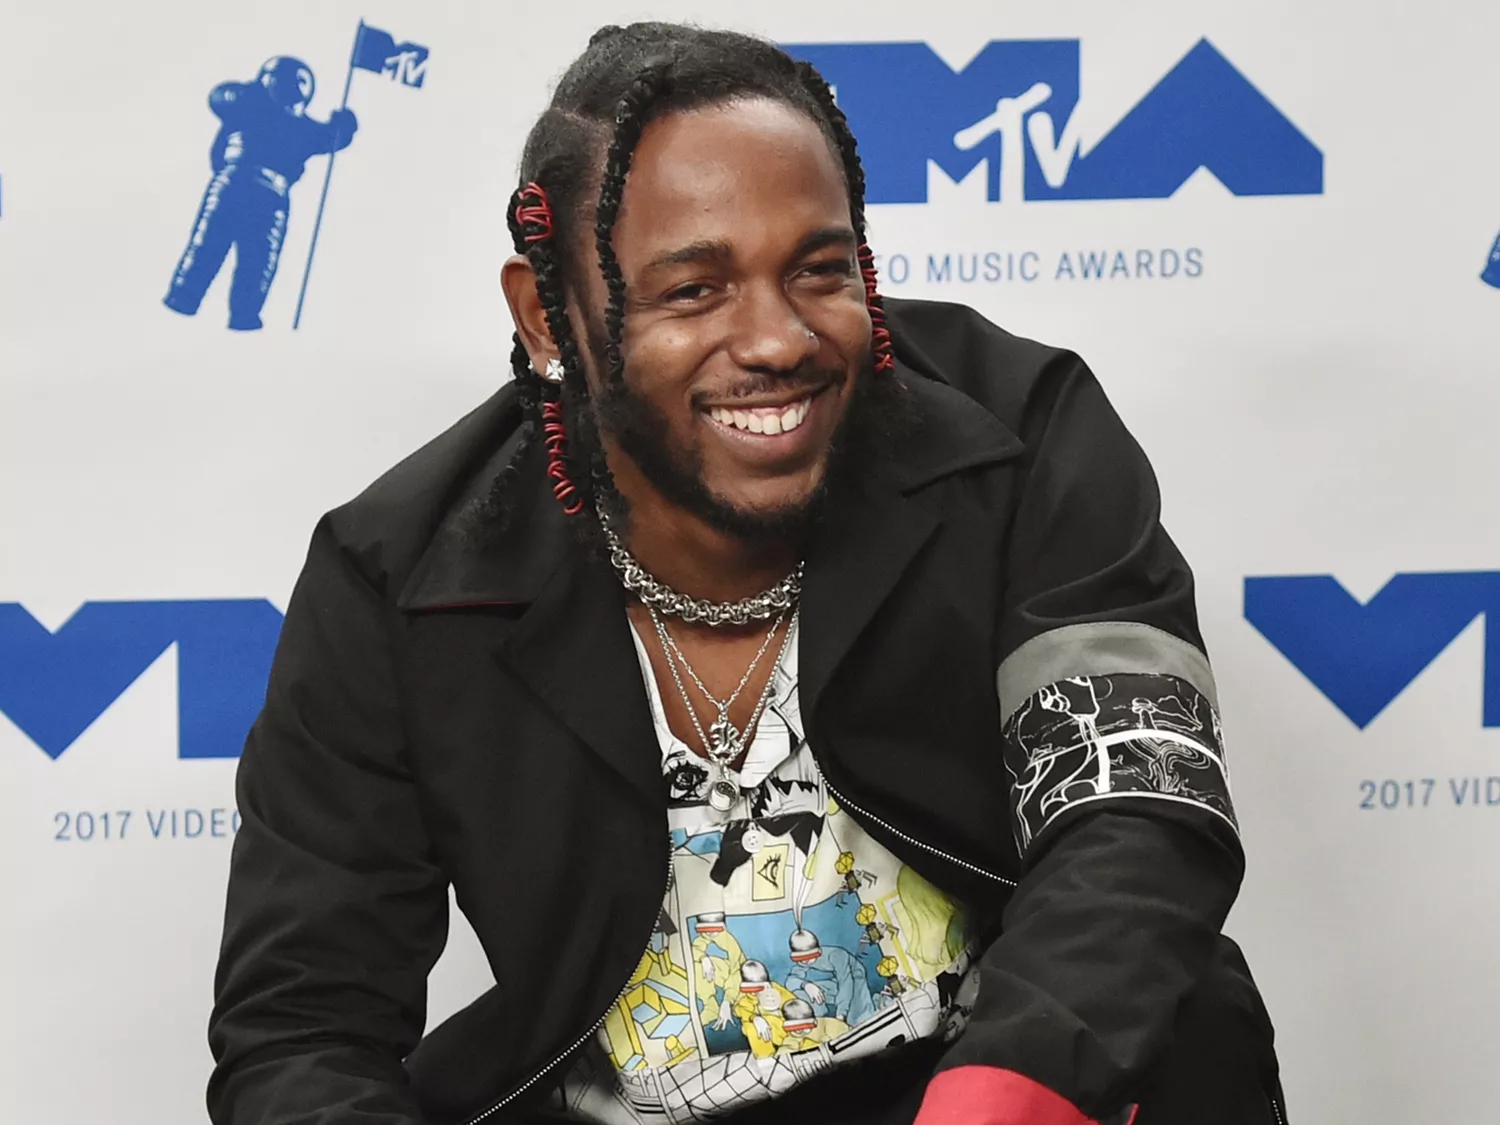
260, 151
743, 614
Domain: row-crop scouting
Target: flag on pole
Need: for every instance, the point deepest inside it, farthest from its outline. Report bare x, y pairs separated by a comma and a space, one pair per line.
376, 50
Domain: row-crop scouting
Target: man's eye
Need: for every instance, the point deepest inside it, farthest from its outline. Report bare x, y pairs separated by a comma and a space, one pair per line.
694, 292
836, 267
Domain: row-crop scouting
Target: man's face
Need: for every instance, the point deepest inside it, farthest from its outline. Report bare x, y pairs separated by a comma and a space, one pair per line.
746, 328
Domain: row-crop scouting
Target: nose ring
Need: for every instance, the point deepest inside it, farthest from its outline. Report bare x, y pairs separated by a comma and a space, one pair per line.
811, 335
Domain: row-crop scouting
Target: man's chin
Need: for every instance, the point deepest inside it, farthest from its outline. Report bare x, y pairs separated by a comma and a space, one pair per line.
758, 519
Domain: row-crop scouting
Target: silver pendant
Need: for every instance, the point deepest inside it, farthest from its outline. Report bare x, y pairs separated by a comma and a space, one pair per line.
722, 795
725, 740
751, 841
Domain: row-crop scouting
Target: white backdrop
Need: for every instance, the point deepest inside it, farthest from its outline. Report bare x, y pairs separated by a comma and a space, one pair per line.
1314, 401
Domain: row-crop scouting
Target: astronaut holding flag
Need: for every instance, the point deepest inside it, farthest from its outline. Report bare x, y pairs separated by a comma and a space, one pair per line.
264, 141
262, 147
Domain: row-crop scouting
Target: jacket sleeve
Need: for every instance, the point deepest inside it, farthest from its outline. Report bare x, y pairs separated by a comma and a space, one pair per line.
1119, 798
336, 909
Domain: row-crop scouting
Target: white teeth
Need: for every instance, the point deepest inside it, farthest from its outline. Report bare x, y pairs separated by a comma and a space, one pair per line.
752, 422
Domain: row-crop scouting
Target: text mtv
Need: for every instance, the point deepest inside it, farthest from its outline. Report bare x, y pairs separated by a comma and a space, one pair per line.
54, 685
1013, 106
1362, 656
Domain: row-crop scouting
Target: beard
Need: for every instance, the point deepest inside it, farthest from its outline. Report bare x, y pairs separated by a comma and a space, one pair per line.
878, 414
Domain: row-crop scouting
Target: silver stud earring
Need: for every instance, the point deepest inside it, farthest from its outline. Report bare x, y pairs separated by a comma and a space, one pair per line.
811, 335
554, 372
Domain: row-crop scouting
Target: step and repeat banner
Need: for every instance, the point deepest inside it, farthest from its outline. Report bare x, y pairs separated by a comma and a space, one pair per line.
249, 257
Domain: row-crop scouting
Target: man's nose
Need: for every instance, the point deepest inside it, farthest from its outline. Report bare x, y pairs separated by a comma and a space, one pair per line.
769, 334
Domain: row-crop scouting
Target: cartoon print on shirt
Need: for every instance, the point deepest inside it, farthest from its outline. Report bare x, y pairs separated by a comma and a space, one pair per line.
785, 947
717, 960
875, 932
829, 978
687, 778
854, 880
759, 1009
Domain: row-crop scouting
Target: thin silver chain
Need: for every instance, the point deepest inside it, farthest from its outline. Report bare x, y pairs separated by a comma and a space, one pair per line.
670, 647
657, 595
669, 643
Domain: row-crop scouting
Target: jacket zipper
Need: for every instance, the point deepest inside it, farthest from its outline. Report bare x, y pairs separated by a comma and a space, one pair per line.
912, 840
604, 1015
587, 1035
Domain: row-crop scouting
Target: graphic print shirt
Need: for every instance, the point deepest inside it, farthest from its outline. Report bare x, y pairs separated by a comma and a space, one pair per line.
789, 942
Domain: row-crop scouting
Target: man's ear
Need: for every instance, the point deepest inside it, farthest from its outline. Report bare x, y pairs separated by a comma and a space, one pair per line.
518, 280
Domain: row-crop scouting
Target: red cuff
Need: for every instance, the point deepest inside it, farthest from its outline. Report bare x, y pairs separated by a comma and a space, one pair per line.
987, 1095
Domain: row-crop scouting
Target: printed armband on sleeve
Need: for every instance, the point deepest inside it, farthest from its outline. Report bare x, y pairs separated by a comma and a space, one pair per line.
1109, 711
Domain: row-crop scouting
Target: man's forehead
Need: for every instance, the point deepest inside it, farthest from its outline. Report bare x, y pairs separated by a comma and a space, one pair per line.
715, 176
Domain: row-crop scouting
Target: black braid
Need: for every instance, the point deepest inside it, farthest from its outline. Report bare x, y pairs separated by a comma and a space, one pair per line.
854, 177
630, 119
585, 140
843, 138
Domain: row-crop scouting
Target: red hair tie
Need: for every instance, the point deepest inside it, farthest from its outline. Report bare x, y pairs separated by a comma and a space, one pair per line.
555, 437
880, 335
538, 214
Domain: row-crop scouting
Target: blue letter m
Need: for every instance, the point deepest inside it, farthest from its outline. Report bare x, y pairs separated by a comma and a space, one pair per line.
906, 106
54, 685
1363, 656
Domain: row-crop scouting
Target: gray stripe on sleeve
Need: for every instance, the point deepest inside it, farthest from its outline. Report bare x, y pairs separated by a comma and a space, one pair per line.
1099, 648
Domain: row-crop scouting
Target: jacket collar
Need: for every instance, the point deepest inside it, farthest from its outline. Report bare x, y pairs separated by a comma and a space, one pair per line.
572, 644
953, 433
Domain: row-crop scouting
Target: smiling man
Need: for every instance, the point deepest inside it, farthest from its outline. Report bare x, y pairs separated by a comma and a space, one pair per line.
800, 695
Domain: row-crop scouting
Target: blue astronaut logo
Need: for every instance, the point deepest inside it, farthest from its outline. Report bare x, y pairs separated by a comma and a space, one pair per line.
1491, 274
1012, 109
264, 141
266, 137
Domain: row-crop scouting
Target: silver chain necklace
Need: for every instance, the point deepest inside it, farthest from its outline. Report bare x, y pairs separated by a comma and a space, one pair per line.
658, 596
723, 742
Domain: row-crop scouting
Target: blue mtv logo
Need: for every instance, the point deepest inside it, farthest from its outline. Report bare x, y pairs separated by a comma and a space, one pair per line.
54, 685
1363, 655
1012, 109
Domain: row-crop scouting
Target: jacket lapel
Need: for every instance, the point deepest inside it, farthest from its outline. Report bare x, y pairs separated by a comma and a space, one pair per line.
574, 649
863, 546
571, 645
876, 525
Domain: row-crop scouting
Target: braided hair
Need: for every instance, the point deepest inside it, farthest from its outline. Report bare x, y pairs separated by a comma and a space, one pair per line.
578, 156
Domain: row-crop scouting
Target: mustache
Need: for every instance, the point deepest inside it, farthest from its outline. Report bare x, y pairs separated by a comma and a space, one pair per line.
804, 377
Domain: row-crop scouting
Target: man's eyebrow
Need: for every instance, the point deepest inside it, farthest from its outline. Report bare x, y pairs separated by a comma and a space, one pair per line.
709, 250
715, 250
828, 236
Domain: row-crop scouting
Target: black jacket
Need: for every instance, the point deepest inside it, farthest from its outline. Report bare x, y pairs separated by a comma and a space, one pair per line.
440, 714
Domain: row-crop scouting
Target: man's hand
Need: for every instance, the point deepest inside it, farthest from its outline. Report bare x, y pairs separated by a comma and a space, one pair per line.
762, 1028
726, 1015
708, 970
815, 992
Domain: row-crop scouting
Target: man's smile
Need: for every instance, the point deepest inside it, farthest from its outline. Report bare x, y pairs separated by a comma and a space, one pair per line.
773, 429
